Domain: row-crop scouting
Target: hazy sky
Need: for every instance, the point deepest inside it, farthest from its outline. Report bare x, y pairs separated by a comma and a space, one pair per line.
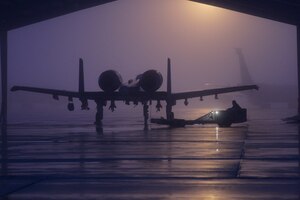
132, 36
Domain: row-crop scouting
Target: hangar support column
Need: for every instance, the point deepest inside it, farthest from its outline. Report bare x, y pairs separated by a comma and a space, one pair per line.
298, 60
3, 117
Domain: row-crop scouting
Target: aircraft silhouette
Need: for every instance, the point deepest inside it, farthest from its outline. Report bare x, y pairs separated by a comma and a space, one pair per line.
277, 93
142, 89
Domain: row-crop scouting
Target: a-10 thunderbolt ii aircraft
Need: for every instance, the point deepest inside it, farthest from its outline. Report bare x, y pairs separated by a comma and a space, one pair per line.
142, 89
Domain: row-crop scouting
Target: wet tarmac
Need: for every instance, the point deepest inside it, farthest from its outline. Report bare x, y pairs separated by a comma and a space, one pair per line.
257, 160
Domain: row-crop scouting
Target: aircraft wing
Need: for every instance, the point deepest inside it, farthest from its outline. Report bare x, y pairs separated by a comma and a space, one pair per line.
119, 96
46, 91
202, 93
99, 95
136, 96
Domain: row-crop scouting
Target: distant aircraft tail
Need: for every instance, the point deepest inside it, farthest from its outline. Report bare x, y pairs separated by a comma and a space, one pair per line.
81, 77
245, 75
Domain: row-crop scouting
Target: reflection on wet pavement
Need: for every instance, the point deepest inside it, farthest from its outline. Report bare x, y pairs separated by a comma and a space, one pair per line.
67, 162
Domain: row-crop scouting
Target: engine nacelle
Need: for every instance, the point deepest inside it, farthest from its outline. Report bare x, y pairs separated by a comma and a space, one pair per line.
151, 80
110, 80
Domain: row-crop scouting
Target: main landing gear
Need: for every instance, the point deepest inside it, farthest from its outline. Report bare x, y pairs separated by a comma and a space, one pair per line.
146, 115
99, 115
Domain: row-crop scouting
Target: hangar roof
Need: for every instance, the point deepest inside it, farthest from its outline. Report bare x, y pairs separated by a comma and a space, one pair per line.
286, 11
18, 13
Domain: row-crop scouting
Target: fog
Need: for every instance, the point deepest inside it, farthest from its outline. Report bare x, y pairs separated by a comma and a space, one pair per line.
132, 36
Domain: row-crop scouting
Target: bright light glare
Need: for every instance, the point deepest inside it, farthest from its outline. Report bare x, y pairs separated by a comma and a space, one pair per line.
217, 138
204, 11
